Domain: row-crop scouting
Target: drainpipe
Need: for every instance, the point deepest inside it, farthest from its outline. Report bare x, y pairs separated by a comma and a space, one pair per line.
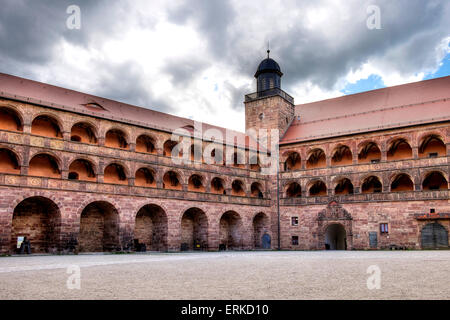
278, 201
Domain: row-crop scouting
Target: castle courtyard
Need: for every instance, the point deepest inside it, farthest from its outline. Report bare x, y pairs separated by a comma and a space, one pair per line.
229, 275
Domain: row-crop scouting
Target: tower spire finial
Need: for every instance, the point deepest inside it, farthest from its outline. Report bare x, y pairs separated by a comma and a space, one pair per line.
268, 49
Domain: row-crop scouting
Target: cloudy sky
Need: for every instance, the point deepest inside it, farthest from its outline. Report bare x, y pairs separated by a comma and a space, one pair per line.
197, 58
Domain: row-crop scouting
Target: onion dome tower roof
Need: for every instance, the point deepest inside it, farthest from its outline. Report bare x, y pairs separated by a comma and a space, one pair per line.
268, 65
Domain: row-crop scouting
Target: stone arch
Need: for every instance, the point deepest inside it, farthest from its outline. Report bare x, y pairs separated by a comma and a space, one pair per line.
254, 161
231, 230
238, 159
369, 151
293, 190
196, 182
343, 186
168, 147
257, 190
371, 184
431, 145
47, 125
334, 214
82, 169
218, 185
116, 173
44, 164
194, 229
341, 155
237, 188
146, 143
84, 132
434, 180
401, 182
99, 227
398, 148
317, 187
172, 180
293, 161
261, 227
151, 227
11, 119
196, 152
316, 159
39, 219
9, 161
145, 177
117, 138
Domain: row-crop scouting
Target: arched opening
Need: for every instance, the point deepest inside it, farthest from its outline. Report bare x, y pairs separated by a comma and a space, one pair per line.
44, 165
145, 144
342, 156
46, 126
217, 156
402, 182
171, 181
9, 162
256, 190
115, 138
317, 189
83, 132
99, 228
371, 185
369, 153
196, 152
316, 159
260, 232
434, 236
238, 160
217, 186
145, 177
168, 147
39, 220
195, 183
115, 174
82, 169
230, 232
432, 146
151, 228
344, 186
194, 230
293, 190
293, 162
237, 188
336, 237
399, 149
254, 162
10, 120
435, 181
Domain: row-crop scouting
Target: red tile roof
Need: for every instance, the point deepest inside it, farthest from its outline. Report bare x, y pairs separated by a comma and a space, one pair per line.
399, 106
26, 90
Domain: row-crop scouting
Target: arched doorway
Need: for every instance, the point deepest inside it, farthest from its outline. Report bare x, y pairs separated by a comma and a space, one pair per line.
336, 237
151, 227
38, 219
434, 236
194, 230
230, 231
99, 228
261, 239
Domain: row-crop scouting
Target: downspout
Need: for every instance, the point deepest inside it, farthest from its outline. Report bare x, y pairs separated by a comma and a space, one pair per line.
278, 200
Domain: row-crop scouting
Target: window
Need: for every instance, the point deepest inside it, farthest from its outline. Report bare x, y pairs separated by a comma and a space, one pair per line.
295, 240
384, 228
294, 221
432, 210
433, 155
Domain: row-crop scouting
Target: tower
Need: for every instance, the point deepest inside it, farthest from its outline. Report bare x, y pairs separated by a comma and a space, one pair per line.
269, 107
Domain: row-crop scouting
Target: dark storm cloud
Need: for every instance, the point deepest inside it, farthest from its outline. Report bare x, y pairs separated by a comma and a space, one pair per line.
211, 17
125, 82
183, 70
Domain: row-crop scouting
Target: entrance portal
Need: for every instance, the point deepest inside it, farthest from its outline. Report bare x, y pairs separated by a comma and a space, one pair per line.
335, 237
434, 236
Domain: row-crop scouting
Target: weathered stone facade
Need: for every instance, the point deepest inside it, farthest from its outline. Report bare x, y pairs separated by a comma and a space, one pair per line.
75, 182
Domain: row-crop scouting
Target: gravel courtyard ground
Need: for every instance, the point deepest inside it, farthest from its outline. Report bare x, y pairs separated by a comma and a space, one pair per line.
230, 275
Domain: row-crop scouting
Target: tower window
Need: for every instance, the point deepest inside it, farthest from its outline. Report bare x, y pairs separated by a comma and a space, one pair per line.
294, 221
295, 240
261, 116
